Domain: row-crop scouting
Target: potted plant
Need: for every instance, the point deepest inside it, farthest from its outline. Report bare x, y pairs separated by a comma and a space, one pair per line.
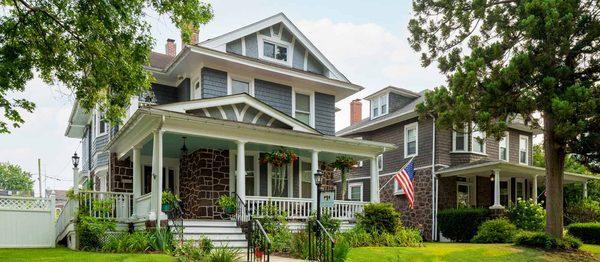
227, 203
169, 201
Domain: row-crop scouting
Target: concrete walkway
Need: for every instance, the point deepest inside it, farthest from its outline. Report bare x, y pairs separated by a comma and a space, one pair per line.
284, 259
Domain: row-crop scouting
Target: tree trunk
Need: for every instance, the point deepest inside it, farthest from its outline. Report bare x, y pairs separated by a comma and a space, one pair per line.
554, 152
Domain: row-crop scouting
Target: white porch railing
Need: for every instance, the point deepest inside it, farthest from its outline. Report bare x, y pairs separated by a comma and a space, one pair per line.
110, 205
345, 210
142, 206
66, 216
300, 208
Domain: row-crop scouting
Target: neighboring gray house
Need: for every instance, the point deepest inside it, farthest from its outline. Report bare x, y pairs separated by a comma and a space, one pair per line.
452, 169
228, 101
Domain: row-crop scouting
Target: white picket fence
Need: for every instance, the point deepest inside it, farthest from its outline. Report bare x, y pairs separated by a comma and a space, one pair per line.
300, 208
27, 222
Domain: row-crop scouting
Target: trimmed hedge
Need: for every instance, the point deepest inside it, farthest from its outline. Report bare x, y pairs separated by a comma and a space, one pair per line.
498, 230
588, 232
379, 218
546, 241
461, 224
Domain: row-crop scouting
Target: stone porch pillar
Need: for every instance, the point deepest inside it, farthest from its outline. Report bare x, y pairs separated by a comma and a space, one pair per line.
157, 177
534, 191
137, 176
374, 180
314, 164
497, 204
585, 190
241, 170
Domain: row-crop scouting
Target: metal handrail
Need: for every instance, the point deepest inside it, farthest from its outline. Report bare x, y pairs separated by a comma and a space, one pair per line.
263, 241
240, 217
326, 232
262, 230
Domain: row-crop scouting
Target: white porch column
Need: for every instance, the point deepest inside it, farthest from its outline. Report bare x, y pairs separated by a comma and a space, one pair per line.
137, 176
585, 190
374, 180
534, 190
497, 204
157, 174
75, 180
241, 170
314, 167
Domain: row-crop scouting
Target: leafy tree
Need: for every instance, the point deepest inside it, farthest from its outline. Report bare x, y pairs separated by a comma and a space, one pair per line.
97, 49
13, 177
517, 58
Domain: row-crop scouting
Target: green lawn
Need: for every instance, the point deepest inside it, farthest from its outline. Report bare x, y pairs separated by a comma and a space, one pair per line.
468, 252
64, 254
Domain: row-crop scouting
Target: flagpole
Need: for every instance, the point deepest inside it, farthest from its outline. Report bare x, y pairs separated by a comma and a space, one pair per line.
405, 164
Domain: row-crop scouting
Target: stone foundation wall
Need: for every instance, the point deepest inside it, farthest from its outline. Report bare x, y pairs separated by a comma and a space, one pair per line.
121, 174
420, 216
446, 192
204, 177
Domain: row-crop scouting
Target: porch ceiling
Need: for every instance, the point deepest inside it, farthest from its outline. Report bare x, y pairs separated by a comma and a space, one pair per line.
485, 167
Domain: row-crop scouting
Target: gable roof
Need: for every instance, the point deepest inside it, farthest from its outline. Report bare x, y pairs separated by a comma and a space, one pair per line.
368, 124
396, 90
263, 108
269, 21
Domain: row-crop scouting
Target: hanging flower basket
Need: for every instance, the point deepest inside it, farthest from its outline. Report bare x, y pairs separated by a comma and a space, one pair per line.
344, 164
279, 160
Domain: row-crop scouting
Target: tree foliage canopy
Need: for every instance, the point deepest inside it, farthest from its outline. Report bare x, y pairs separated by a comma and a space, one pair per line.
13, 177
525, 57
97, 49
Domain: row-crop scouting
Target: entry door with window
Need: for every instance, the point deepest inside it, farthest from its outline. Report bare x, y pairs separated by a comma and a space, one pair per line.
168, 180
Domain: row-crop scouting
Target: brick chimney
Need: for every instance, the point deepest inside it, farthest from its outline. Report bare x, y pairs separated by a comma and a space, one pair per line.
355, 111
195, 37
171, 48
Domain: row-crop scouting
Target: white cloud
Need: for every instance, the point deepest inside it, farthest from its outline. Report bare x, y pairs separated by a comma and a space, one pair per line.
369, 55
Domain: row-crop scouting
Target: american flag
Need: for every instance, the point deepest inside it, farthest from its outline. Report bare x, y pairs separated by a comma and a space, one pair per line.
404, 178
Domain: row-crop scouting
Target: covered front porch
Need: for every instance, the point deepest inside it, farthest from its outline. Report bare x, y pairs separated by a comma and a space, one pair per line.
494, 184
223, 157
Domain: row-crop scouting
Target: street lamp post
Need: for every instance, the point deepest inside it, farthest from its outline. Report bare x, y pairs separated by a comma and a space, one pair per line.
318, 182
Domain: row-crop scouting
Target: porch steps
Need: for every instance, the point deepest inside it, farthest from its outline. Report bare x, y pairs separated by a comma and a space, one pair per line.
222, 233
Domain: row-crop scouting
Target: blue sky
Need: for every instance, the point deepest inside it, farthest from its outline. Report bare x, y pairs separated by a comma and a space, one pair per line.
365, 40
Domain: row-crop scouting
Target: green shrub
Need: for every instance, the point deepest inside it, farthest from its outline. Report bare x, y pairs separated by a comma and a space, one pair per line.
340, 251
299, 245
275, 224
332, 225
546, 241
162, 240
356, 237
224, 255
461, 224
379, 217
588, 232
498, 230
527, 215
586, 210
91, 231
193, 250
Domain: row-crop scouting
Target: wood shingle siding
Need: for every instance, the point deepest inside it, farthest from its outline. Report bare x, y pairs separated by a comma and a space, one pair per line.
276, 95
325, 113
214, 83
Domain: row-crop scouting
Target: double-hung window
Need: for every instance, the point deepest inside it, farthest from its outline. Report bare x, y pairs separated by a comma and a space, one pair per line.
355, 191
275, 51
302, 111
459, 141
411, 139
379, 106
477, 140
503, 148
523, 149
101, 124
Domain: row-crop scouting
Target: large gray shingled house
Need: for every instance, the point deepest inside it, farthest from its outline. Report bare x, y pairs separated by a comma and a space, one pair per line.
215, 108
452, 169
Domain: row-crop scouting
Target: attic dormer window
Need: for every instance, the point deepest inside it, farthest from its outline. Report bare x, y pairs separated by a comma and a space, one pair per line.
275, 51
379, 106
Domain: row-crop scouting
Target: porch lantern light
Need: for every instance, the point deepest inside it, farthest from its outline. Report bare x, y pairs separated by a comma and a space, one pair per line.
184, 150
492, 176
318, 178
75, 160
